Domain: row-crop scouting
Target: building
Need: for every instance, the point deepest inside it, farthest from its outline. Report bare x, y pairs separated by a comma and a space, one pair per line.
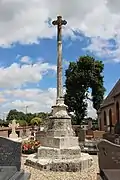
109, 112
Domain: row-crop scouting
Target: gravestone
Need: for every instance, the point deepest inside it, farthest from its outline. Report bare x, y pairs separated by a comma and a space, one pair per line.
10, 160
109, 159
13, 126
90, 124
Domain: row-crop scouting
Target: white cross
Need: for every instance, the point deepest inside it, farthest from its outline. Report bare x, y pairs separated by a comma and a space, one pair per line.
13, 125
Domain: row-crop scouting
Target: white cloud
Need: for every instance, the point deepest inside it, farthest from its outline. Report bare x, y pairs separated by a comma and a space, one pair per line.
26, 21
17, 75
91, 112
26, 60
36, 99
105, 49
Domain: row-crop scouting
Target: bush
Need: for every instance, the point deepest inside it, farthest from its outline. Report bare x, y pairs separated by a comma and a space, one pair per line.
30, 146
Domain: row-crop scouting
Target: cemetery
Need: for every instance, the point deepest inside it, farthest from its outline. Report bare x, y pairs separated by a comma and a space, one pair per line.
63, 150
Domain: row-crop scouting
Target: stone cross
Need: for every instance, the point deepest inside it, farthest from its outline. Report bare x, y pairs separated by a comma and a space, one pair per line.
13, 125
59, 22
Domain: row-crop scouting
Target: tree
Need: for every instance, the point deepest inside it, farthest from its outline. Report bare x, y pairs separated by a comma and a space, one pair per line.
14, 114
26, 118
80, 76
37, 121
22, 123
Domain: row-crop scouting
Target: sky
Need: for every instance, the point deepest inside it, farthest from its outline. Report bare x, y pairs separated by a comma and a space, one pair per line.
28, 53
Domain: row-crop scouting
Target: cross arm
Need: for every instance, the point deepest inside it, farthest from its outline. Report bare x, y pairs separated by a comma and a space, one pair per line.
59, 21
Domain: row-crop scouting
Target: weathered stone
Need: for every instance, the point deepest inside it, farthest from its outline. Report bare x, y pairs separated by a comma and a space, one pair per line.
10, 160
60, 150
10, 153
69, 153
69, 165
59, 142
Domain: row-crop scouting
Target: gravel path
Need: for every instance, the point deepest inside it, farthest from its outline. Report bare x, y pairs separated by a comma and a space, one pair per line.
90, 174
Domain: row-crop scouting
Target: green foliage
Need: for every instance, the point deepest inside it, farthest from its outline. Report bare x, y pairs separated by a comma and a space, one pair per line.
3, 123
22, 122
25, 119
80, 76
14, 114
36, 120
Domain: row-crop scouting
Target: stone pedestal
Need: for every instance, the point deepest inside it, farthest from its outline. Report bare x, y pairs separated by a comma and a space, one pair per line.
60, 150
13, 136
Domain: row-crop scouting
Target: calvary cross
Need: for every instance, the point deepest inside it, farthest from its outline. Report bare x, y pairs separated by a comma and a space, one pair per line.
59, 22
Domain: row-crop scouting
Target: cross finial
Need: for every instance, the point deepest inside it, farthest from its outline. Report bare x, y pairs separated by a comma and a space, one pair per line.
59, 21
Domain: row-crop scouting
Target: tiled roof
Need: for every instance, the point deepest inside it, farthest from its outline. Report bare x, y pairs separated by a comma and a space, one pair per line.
114, 92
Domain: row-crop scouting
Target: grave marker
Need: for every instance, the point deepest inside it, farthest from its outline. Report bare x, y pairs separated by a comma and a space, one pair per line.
10, 160
109, 159
13, 125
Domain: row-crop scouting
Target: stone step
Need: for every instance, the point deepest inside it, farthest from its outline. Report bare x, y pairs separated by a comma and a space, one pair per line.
56, 153
68, 165
59, 142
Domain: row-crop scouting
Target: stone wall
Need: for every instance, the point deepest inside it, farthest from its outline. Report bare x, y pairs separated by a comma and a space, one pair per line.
5, 131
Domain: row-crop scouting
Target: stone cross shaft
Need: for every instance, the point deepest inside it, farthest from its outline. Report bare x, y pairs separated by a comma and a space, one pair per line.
59, 22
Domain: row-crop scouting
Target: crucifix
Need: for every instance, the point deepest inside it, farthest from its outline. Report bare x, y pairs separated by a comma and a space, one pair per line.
59, 22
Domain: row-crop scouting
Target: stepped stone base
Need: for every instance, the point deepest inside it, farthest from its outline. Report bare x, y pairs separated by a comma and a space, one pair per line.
65, 165
56, 153
60, 150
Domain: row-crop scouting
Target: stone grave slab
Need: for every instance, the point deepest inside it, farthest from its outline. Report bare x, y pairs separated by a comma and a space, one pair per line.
108, 159
10, 160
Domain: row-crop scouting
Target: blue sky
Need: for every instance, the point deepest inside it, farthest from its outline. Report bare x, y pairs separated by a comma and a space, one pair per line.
28, 48
46, 51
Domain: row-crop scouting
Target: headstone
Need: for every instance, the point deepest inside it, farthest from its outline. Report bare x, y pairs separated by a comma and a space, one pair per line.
108, 158
13, 125
90, 124
81, 135
10, 160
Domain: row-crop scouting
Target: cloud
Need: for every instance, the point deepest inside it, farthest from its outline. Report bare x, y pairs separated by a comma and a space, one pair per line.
36, 99
27, 22
26, 60
17, 75
106, 49
91, 112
